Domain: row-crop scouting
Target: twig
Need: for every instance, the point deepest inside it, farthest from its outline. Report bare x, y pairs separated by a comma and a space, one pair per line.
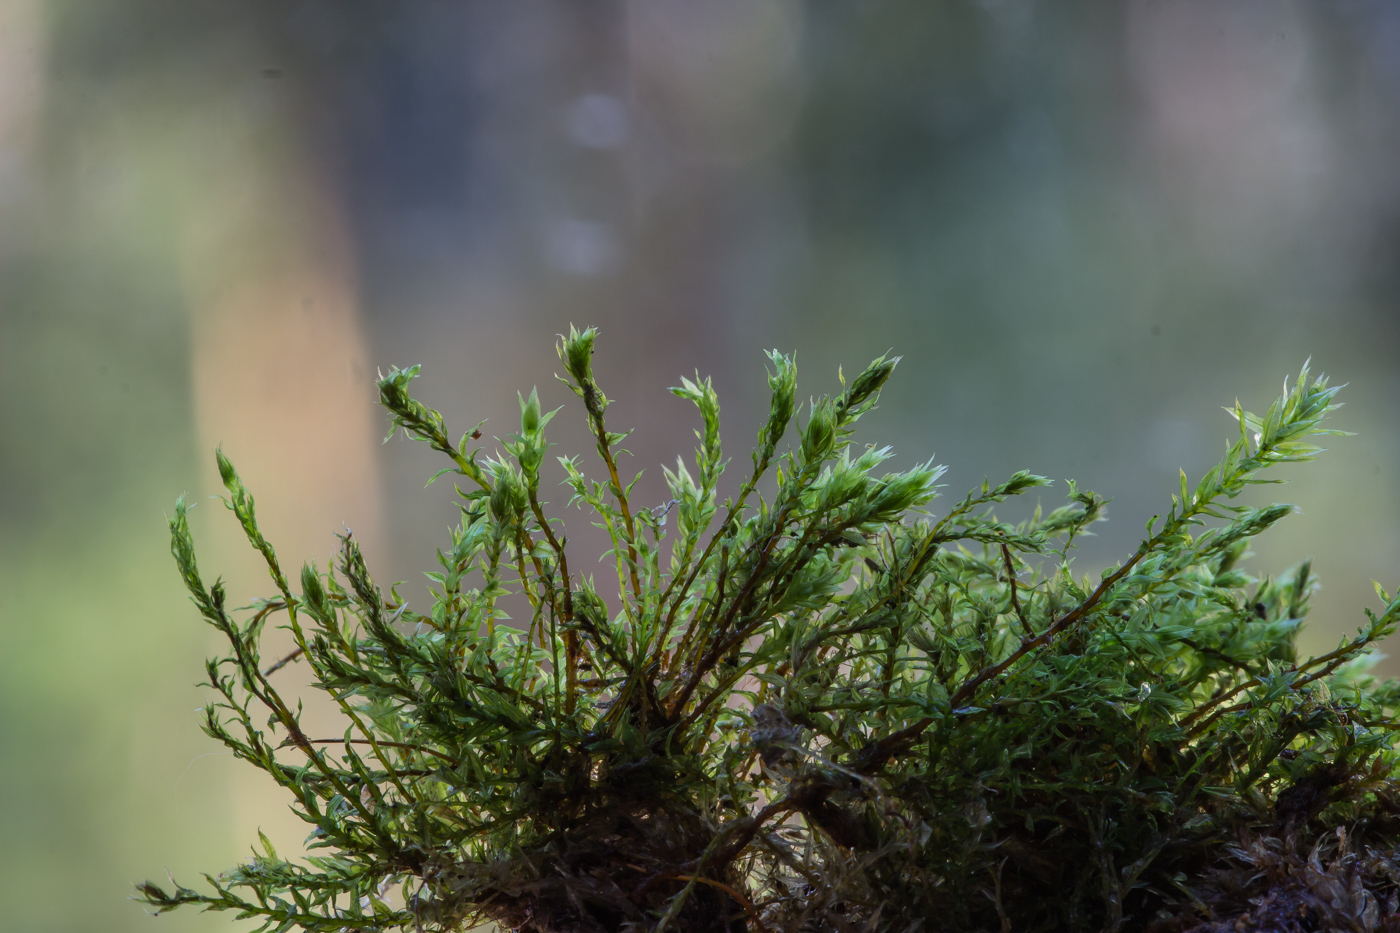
282, 663
415, 748
1011, 583
874, 756
744, 902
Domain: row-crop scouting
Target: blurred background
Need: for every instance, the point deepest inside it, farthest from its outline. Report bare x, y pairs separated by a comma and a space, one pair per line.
1085, 226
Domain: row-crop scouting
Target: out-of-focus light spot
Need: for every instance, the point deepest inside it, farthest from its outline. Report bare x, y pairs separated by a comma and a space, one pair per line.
597, 121
581, 247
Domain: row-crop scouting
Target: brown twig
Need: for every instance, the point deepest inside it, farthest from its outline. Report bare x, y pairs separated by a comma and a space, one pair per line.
1332, 660
874, 756
1011, 583
282, 663
595, 407
415, 748
745, 829
743, 901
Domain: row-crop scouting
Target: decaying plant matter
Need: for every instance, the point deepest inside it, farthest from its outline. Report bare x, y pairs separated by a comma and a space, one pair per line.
823, 708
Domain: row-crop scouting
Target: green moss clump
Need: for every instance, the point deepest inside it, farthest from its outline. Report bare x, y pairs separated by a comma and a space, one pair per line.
828, 708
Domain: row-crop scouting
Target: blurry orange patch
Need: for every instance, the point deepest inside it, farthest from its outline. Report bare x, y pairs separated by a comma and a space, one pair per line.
281, 381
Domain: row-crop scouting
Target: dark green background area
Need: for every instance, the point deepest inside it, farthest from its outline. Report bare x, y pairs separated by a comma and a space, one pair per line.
1085, 226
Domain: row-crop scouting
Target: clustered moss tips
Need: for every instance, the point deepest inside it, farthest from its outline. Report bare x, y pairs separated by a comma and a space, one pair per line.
576, 353
815, 708
782, 382
865, 388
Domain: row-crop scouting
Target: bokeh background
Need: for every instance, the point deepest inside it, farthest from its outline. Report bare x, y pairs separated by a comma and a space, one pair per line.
1085, 226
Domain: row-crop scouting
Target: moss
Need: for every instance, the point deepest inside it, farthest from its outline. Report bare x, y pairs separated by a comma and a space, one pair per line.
831, 709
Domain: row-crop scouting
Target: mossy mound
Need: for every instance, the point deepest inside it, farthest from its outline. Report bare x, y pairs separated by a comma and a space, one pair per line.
827, 707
